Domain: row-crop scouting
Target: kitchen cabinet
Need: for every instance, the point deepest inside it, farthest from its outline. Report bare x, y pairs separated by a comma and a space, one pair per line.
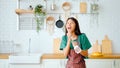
54, 63
24, 66
100, 63
63, 63
117, 63
4, 63
90, 63
51, 63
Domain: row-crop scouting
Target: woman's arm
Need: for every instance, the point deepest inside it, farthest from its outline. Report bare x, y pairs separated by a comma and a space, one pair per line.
84, 53
67, 48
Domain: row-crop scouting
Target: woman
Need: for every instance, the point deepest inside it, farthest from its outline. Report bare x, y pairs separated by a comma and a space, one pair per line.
74, 44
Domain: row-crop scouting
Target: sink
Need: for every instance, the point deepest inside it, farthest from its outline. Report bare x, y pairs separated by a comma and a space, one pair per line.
25, 58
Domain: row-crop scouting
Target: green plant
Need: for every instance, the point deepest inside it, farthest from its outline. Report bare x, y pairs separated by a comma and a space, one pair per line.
39, 16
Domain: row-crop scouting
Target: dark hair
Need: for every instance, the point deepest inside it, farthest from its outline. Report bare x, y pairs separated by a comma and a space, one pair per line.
77, 29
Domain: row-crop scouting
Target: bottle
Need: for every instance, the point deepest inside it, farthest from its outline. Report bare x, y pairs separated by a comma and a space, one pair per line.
77, 49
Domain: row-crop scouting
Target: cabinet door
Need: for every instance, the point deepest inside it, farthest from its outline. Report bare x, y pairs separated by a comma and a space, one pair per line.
51, 63
99, 63
117, 63
63, 63
3, 63
24, 66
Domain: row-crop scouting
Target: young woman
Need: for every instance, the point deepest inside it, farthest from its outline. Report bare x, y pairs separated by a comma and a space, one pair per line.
74, 44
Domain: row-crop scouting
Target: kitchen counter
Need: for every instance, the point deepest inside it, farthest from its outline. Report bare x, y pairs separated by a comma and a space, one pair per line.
4, 56
109, 56
53, 56
61, 56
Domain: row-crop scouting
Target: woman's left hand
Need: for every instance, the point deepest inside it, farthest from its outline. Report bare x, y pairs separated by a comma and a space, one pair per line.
77, 49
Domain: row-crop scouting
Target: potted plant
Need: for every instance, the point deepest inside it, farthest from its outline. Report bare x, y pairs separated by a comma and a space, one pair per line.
39, 16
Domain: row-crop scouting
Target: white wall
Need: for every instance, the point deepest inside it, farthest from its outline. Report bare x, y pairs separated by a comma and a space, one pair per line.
108, 24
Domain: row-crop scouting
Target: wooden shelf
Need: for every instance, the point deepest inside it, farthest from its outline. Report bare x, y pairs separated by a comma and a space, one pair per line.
22, 11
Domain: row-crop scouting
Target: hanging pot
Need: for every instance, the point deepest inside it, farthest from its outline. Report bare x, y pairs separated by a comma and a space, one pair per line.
59, 23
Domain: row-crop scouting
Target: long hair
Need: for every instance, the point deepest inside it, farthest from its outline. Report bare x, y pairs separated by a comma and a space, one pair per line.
77, 29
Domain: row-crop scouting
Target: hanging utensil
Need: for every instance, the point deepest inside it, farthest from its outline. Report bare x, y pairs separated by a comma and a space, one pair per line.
30, 6
59, 23
83, 7
66, 7
53, 6
94, 8
50, 24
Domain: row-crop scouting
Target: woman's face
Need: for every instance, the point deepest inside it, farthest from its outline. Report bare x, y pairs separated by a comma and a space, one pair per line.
70, 25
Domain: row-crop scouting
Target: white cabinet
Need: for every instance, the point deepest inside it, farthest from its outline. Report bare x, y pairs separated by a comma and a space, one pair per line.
117, 63
99, 63
50, 63
61, 63
90, 63
24, 66
54, 63
4, 63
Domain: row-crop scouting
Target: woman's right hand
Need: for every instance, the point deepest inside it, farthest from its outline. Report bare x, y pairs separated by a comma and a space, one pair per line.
67, 48
69, 35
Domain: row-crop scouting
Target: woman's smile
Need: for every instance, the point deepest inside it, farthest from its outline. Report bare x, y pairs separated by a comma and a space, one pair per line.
69, 28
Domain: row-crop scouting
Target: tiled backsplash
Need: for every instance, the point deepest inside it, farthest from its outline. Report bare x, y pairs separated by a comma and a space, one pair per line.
8, 46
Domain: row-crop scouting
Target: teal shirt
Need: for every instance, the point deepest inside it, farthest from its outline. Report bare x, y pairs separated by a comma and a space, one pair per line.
84, 42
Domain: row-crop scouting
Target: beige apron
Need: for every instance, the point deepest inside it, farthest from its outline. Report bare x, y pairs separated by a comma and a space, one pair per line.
75, 60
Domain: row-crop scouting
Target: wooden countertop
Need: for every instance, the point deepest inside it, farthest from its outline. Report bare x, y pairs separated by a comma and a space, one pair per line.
109, 56
4, 56
53, 56
61, 56
44, 56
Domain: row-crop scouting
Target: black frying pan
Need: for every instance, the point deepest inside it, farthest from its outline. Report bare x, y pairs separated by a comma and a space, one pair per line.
59, 23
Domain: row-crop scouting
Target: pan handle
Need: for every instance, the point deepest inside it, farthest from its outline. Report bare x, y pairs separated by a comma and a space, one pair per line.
59, 17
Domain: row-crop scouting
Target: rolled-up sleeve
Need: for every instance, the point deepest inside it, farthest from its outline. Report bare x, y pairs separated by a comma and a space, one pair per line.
63, 43
85, 43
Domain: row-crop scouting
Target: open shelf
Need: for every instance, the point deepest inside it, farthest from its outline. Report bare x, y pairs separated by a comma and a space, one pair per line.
22, 11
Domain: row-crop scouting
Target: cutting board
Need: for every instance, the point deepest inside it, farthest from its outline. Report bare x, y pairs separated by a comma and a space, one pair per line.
106, 46
83, 7
96, 47
56, 45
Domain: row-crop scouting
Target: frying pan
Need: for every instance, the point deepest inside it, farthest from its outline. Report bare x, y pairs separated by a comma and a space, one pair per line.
59, 23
